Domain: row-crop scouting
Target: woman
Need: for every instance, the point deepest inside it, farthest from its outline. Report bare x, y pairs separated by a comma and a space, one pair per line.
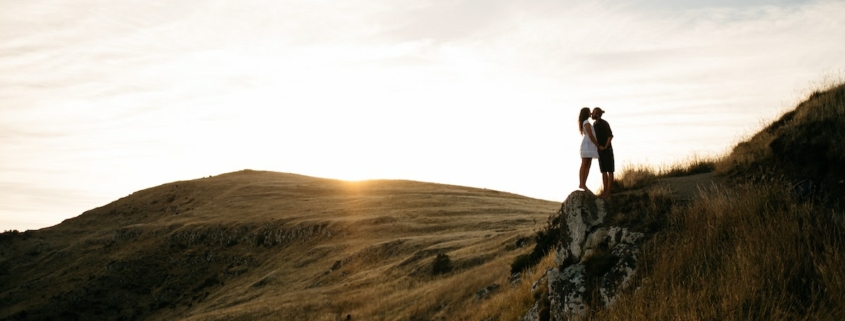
588, 146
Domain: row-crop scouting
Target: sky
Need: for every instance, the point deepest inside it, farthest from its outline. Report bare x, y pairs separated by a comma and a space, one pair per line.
99, 99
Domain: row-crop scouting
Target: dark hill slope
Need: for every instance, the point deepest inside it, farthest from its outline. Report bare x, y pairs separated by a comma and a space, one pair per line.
256, 245
807, 143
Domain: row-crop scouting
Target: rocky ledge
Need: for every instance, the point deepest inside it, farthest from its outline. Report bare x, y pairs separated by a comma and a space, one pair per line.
595, 262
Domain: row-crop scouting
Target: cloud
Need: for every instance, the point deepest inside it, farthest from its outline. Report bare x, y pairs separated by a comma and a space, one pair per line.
116, 96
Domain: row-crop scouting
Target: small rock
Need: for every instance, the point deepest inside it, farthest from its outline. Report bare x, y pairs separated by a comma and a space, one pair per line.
515, 278
520, 242
486, 291
533, 314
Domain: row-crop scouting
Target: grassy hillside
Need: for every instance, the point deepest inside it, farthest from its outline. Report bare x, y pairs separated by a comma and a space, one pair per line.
761, 247
755, 246
806, 143
256, 245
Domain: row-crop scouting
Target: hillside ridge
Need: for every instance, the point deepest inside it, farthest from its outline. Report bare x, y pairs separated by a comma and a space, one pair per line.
202, 249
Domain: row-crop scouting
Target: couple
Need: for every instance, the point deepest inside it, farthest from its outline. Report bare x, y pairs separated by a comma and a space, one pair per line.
596, 144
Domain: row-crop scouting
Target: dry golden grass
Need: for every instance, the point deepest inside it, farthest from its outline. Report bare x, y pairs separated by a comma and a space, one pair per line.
260, 245
514, 300
751, 253
638, 176
819, 117
635, 176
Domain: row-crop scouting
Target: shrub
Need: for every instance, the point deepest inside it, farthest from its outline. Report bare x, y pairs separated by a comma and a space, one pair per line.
442, 264
521, 262
547, 239
8, 235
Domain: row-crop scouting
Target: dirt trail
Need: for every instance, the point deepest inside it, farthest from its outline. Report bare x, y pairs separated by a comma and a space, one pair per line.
688, 187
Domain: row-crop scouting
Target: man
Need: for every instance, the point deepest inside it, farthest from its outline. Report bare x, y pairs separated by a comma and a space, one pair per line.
606, 162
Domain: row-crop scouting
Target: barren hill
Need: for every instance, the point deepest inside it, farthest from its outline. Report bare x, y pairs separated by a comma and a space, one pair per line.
255, 245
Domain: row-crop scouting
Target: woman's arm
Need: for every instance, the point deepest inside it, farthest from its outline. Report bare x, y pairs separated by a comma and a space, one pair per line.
589, 129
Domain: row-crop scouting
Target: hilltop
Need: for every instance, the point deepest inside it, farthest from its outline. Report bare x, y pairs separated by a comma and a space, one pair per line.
254, 244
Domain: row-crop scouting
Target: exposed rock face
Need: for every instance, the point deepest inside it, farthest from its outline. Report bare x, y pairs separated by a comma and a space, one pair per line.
567, 292
593, 260
581, 211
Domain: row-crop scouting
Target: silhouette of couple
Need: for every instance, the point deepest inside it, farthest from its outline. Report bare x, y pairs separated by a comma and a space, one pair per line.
596, 144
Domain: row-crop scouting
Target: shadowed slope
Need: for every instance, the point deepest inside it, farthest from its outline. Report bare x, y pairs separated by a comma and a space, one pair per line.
260, 244
807, 143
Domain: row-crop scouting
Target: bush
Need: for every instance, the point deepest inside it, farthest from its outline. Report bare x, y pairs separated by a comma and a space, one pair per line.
547, 239
442, 264
521, 262
8, 235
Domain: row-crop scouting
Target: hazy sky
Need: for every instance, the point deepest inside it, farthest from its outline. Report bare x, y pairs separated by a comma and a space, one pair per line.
101, 98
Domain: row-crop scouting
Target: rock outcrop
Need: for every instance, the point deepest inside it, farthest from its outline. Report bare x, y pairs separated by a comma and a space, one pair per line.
595, 262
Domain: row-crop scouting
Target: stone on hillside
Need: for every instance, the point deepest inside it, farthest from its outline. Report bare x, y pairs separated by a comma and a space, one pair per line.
336, 265
581, 211
617, 279
520, 242
595, 242
483, 293
623, 235
539, 284
567, 293
533, 313
515, 278
590, 254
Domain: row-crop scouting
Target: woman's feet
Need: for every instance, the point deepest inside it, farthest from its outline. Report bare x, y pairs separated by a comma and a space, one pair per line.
586, 189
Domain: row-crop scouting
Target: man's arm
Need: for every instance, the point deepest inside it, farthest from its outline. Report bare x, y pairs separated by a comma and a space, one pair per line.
609, 136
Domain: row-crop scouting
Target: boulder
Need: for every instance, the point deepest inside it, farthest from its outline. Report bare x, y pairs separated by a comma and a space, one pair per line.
567, 293
595, 262
581, 211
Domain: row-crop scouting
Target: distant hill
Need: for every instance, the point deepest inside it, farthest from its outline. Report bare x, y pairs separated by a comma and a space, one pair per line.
256, 245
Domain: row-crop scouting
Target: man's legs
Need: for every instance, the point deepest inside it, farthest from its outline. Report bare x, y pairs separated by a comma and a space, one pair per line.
606, 166
607, 183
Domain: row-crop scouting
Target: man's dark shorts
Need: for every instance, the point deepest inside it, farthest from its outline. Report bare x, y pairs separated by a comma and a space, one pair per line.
606, 162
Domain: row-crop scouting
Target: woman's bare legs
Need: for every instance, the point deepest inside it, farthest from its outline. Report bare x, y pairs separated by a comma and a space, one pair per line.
585, 171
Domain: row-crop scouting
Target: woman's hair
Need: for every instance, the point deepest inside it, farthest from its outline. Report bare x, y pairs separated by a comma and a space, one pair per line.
585, 114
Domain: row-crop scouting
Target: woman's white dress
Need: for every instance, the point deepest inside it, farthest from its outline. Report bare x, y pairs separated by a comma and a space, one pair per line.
588, 149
